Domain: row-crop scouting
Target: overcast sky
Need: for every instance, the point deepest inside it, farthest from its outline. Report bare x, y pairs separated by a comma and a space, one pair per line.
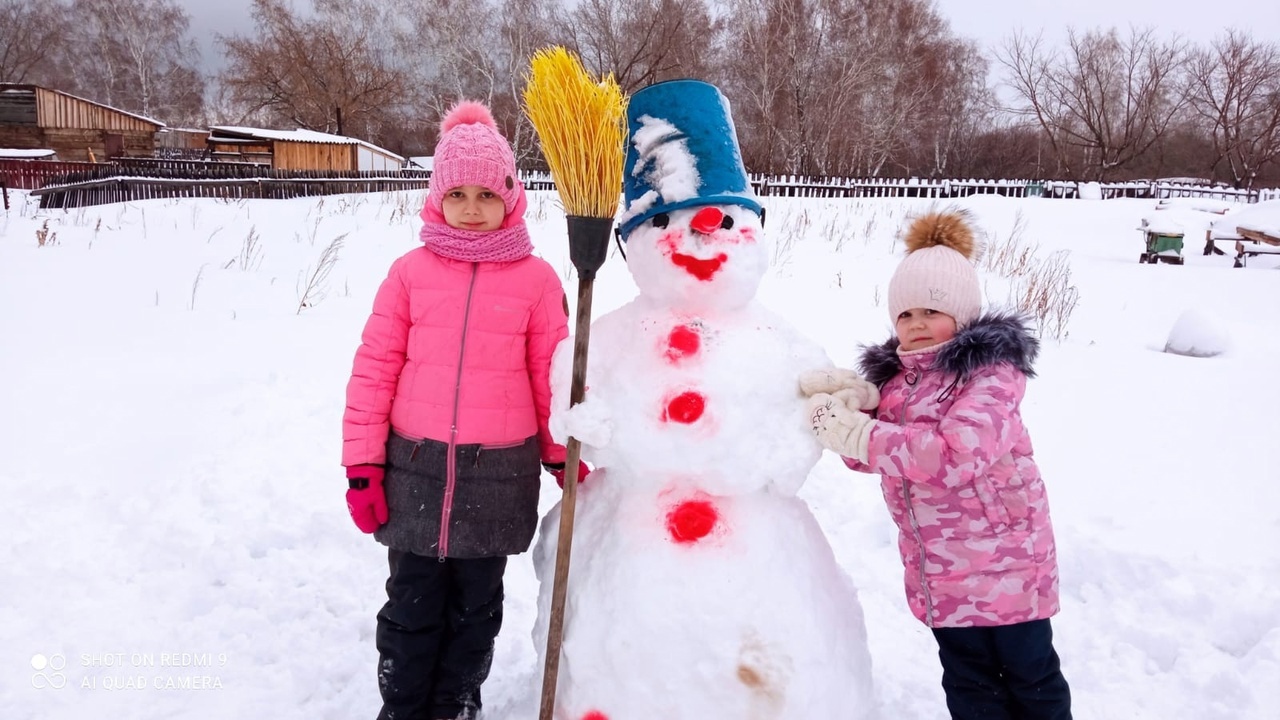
987, 21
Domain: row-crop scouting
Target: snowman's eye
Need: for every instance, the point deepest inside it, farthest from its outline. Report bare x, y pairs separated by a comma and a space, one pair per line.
727, 222
661, 220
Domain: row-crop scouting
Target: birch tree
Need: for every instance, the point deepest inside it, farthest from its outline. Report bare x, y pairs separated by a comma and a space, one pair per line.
137, 55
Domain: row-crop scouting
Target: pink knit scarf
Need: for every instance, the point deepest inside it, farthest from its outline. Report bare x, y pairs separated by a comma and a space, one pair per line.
502, 245
508, 243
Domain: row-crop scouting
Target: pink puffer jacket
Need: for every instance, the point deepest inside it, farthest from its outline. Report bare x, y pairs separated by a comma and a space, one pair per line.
959, 478
452, 343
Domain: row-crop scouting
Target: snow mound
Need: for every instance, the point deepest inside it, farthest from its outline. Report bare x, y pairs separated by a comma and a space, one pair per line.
1196, 335
1207, 205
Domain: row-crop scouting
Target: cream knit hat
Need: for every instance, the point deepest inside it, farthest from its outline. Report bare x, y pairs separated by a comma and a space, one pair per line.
938, 271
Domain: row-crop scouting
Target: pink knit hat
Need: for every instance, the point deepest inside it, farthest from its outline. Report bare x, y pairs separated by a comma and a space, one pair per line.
472, 151
938, 271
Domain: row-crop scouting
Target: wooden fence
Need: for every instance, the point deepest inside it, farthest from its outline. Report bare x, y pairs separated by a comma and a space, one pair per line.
66, 185
33, 174
145, 180
794, 186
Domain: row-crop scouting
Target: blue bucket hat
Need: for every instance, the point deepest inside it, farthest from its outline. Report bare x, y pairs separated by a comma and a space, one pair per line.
682, 151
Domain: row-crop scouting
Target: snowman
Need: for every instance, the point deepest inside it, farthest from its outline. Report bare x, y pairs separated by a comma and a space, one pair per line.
700, 586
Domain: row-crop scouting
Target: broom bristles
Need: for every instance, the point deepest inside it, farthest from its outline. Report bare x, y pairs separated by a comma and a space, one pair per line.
581, 124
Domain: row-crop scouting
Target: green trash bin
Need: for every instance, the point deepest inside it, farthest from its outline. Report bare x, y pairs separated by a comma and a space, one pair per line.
1165, 247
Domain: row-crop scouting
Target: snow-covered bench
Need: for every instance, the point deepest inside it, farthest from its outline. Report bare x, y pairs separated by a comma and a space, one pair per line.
1251, 231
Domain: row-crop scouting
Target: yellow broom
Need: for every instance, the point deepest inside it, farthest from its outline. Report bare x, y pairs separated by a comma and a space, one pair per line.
581, 124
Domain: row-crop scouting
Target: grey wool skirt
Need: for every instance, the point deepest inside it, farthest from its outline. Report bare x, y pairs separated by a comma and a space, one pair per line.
495, 498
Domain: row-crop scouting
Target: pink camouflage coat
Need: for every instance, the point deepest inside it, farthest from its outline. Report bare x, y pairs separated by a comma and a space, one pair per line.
959, 478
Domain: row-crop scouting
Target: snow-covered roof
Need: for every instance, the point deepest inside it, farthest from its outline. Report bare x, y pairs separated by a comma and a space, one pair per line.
299, 135
23, 153
425, 162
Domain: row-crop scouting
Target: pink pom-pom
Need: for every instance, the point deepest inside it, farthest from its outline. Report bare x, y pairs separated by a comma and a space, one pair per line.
466, 112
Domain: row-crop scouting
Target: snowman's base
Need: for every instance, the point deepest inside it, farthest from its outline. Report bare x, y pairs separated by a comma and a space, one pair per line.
752, 618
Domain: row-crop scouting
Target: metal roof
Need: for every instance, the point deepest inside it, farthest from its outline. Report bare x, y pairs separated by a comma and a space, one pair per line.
300, 135
20, 87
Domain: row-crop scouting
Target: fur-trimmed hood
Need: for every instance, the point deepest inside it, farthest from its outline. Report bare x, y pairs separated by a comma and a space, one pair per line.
991, 339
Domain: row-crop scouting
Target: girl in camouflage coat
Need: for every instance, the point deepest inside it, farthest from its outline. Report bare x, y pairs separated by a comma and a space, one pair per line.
944, 431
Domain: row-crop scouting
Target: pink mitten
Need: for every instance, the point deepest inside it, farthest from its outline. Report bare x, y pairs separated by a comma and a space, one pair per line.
557, 472
366, 501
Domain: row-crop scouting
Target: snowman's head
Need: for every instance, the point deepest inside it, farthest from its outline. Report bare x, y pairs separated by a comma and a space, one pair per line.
710, 257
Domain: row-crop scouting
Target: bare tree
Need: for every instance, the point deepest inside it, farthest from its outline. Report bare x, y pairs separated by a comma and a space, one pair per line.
137, 55
331, 72
642, 41
477, 50
33, 35
1235, 92
1104, 101
841, 86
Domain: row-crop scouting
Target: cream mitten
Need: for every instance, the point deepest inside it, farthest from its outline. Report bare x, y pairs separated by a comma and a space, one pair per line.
838, 428
846, 385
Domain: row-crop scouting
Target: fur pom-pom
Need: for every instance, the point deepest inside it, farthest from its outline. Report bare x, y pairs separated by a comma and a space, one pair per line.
466, 112
951, 228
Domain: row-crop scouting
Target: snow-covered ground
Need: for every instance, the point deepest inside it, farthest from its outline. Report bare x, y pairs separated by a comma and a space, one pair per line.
176, 543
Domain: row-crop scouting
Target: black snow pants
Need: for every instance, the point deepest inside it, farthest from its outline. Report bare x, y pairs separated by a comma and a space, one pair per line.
436, 635
1009, 672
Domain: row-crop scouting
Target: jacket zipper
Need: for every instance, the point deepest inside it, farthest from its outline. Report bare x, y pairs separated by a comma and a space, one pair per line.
451, 461
912, 377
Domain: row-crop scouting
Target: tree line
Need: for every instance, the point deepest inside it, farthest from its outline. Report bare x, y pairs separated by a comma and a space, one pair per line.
819, 87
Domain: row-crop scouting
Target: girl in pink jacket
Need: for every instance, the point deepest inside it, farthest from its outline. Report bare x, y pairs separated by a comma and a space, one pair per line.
446, 421
943, 429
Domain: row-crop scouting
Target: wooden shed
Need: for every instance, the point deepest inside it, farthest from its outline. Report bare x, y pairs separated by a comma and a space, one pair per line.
299, 150
36, 117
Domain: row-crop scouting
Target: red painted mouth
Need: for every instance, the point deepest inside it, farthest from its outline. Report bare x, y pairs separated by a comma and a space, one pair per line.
701, 269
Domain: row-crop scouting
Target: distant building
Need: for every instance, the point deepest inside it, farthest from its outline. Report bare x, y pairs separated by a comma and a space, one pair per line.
39, 118
182, 143
299, 150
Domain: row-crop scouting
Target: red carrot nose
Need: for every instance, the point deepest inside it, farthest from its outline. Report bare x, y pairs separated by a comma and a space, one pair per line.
707, 220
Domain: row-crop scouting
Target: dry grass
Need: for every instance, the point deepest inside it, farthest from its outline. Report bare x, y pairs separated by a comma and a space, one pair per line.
195, 285
838, 231
44, 236
313, 283
250, 257
1040, 287
794, 227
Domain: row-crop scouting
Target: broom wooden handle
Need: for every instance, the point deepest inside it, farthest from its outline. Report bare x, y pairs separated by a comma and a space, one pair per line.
568, 502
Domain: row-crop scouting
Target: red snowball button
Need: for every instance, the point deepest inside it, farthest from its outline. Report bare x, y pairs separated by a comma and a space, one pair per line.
683, 342
685, 408
692, 520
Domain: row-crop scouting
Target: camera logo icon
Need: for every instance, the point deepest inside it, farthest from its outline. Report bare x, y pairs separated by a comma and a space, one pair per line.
48, 672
